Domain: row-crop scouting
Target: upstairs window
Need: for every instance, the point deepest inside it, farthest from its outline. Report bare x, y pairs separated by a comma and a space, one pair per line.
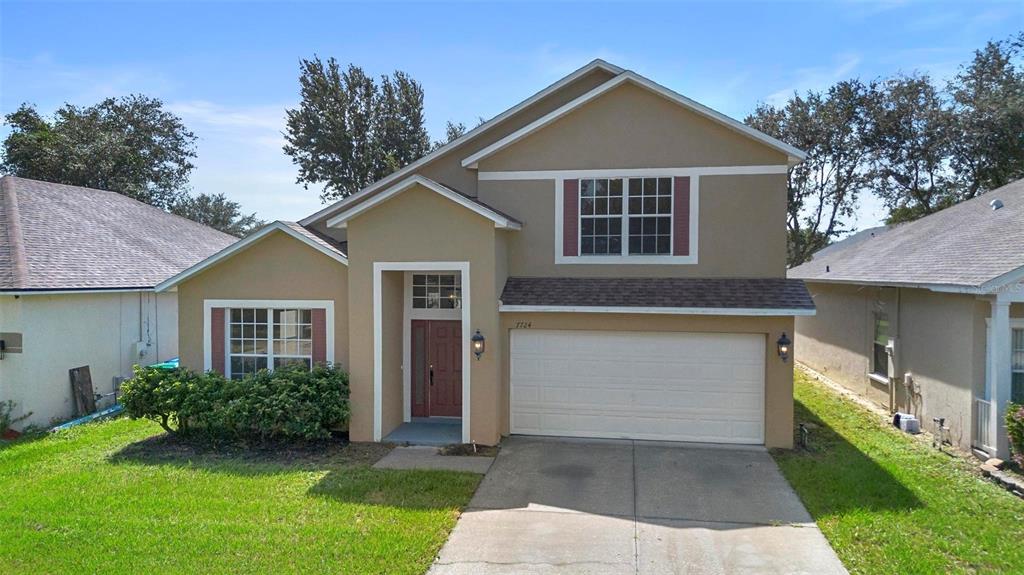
638, 224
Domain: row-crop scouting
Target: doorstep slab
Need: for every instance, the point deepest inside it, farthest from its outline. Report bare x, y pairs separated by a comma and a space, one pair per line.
666, 547
502, 541
423, 457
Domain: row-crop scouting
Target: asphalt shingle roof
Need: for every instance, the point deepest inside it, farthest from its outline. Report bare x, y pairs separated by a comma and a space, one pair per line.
735, 293
967, 245
54, 236
320, 239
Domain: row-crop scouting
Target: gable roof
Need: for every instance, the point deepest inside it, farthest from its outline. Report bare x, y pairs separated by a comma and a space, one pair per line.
795, 156
306, 236
967, 247
596, 64
55, 237
500, 219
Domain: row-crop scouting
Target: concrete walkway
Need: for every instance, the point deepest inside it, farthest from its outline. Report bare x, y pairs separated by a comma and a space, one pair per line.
590, 506
425, 457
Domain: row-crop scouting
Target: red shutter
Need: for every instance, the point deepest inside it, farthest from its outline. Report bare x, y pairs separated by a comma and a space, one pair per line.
217, 341
681, 217
570, 217
319, 336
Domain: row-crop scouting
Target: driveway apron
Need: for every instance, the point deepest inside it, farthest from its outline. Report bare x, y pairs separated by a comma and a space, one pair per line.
615, 506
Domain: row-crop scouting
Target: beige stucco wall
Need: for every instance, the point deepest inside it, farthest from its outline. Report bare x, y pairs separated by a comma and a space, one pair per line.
276, 267
940, 339
392, 310
61, 332
419, 225
778, 396
631, 127
740, 224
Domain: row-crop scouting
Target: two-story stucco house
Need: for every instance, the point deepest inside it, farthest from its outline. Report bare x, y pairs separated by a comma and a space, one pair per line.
604, 259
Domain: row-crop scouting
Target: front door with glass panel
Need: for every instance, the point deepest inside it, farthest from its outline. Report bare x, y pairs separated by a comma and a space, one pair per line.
437, 368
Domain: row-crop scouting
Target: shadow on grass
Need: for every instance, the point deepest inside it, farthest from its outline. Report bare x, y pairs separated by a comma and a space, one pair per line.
346, 467
833, 477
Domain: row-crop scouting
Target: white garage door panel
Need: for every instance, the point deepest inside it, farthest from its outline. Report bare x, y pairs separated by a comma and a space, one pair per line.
638, 385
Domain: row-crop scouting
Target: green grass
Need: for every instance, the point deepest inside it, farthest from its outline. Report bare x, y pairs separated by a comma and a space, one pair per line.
890, 504
96, 499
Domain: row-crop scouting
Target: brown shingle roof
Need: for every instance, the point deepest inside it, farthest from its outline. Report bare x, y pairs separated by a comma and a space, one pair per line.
58, 237
741, 293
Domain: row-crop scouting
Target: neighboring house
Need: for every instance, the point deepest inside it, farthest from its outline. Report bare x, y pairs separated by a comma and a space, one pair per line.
77, 272
927, 317
619, 248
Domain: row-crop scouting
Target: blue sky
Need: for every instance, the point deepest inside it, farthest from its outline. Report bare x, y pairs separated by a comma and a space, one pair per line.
230, 69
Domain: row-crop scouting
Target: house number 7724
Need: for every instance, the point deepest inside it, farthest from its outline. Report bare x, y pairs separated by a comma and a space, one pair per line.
523, 325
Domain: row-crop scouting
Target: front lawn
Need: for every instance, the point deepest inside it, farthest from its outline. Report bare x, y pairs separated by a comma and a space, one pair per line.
111, 498
890, 504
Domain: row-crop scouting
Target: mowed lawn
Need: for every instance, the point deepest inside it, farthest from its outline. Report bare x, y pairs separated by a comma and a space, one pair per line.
96, 500
890, 504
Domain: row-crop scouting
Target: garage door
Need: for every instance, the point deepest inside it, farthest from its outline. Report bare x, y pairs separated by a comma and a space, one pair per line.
638, 385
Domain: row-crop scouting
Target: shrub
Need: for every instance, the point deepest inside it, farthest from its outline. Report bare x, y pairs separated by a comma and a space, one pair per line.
291, 402
1015, 431
6, 419
157, 394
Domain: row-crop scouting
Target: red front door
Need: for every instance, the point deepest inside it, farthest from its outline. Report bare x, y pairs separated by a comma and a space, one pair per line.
437, 368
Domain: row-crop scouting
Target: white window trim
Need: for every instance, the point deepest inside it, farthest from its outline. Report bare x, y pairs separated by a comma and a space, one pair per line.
666, 259
209, 304
378, 338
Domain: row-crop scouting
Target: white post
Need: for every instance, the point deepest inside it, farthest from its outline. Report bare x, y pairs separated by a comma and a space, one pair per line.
1001, 374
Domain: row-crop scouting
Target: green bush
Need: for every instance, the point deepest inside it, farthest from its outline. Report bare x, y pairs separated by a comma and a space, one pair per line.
291, 402
1015, 431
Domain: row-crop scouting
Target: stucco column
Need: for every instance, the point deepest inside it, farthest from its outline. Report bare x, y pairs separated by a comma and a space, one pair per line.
1001, 374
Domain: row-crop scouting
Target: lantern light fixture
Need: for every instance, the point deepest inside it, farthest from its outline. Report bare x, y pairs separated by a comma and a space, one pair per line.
785, 345
478, 344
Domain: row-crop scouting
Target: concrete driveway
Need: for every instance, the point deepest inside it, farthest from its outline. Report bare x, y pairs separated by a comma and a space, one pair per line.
596, 506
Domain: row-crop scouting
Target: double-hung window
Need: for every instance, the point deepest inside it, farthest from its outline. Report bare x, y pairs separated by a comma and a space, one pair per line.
880, 353
262, 338
638, 224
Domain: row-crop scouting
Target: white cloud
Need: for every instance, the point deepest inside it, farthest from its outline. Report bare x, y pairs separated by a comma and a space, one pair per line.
816, 78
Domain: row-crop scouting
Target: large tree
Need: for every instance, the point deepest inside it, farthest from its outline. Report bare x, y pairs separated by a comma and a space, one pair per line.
823, 190
988, 99
129, 145
911, 142
349, 130
218, 212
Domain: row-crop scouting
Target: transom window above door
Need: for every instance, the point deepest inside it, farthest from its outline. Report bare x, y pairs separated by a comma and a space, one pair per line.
437, 291
638, 224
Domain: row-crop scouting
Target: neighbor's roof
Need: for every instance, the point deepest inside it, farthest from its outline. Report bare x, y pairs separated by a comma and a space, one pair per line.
968, 246
56, 237
728, 296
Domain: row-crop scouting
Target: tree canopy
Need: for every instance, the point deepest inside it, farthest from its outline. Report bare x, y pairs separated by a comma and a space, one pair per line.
218, 212
129, 145
350, 130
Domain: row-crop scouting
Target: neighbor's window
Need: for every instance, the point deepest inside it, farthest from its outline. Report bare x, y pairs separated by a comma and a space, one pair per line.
1017, 361
880, 361
640, 225
437, 291
266, 337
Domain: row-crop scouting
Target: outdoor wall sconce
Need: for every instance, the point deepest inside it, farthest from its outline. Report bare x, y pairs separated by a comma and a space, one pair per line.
477, 342
784, 344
